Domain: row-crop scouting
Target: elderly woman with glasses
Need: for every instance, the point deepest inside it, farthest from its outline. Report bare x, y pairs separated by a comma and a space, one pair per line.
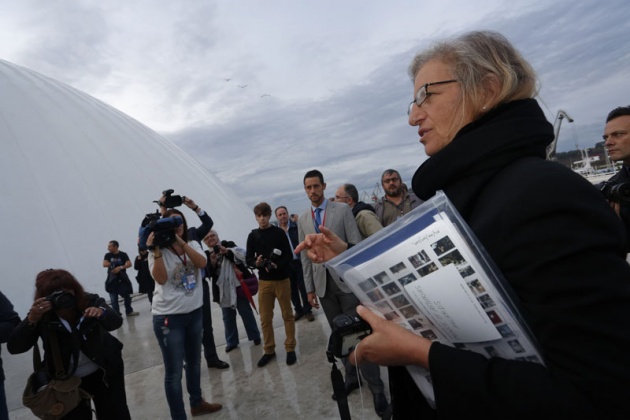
176, 265
556, 241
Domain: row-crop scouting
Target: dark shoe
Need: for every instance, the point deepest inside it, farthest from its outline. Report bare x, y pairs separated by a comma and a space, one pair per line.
298, 315
380, 403
257, 342
133, 314
291, 358
310, 316
205, 408
265, 359
219, 364
230, 348
349, 388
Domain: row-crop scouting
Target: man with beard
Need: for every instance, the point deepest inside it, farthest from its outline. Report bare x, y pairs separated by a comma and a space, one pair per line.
396, 202
617, 142
335, 297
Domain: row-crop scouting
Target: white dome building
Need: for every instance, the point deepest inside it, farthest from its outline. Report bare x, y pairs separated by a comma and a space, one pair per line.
76, 173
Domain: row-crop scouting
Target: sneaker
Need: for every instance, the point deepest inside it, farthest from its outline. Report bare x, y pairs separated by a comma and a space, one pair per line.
291, 358
205, 408
310, 316
133, 314
266, 359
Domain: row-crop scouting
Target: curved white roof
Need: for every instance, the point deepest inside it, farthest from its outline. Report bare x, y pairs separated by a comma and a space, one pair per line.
76, 173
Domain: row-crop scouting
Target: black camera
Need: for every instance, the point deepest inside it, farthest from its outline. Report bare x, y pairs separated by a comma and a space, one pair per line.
347, 331
273, 259
216, 249
164, 230
61, 300
619, 192
170, 200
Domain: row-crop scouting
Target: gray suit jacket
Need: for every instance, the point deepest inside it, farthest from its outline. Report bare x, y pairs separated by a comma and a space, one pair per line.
340, 220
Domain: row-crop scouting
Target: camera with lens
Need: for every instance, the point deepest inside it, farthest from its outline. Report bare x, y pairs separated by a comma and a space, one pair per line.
618, 192
216, 249
347, 331
61, 300
170, 200
273, 259
163, 230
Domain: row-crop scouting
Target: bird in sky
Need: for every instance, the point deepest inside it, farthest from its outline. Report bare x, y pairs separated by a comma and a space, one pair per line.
242, 86
265, 95
227, 80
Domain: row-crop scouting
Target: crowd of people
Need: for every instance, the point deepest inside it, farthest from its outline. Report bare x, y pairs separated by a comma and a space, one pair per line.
560, 244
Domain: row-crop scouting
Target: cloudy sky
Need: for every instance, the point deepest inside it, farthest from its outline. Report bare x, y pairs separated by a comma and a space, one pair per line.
261, 92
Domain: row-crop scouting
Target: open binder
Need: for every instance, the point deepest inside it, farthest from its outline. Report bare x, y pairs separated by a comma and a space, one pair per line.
428, 273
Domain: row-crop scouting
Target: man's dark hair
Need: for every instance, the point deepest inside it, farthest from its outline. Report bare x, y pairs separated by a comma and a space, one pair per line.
618, 112
314, 173
389, 172
263, 209
352, 192
115, 243
280, 207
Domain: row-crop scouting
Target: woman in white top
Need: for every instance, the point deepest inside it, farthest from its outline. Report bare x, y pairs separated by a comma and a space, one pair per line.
176, 266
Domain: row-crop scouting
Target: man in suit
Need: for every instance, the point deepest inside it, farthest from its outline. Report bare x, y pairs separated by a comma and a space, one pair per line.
335, 297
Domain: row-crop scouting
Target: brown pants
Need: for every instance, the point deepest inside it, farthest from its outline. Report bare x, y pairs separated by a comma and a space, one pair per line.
268, 292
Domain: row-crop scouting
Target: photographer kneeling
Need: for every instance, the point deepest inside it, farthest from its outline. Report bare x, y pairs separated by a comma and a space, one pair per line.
617, 142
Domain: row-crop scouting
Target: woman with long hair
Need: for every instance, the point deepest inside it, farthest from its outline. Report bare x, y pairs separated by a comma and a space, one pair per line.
78, 323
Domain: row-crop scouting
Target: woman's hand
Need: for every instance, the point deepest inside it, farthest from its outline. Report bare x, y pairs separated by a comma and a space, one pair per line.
40, 307
323, 246
389, 344
150, 239
93, 312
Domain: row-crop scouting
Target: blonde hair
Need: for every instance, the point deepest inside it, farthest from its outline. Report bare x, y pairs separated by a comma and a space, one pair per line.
477, 57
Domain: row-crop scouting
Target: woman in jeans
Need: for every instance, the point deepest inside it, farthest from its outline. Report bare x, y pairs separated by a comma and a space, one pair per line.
223, 258
175, 265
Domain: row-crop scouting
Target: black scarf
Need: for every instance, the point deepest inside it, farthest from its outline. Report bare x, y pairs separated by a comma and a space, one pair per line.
480, 149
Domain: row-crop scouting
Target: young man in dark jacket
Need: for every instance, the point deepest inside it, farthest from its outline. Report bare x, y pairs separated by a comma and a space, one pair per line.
269, 251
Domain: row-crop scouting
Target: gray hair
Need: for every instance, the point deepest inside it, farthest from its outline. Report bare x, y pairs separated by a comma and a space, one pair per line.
474, 58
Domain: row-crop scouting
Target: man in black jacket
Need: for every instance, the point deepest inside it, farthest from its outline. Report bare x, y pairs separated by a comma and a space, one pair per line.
269, 251
8, 320
617, 142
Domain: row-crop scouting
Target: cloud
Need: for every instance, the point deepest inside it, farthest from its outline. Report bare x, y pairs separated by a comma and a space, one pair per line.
335, 73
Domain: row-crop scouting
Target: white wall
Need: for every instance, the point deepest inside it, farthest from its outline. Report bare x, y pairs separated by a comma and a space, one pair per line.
76, 173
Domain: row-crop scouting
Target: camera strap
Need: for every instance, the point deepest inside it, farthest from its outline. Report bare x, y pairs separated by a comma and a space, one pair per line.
339, 389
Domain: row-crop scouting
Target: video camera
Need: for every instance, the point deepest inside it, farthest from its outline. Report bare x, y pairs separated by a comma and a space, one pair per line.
618, 192
170, 200
163, 228
347, 331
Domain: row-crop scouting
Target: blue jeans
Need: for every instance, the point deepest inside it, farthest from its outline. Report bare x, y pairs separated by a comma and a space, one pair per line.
249, 320
113, 297
180, 342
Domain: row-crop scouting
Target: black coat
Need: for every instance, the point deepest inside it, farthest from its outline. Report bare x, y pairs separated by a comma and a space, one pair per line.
561, 249
98, 344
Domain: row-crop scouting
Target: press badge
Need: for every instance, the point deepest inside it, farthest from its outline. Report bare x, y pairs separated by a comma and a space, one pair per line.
188, 281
